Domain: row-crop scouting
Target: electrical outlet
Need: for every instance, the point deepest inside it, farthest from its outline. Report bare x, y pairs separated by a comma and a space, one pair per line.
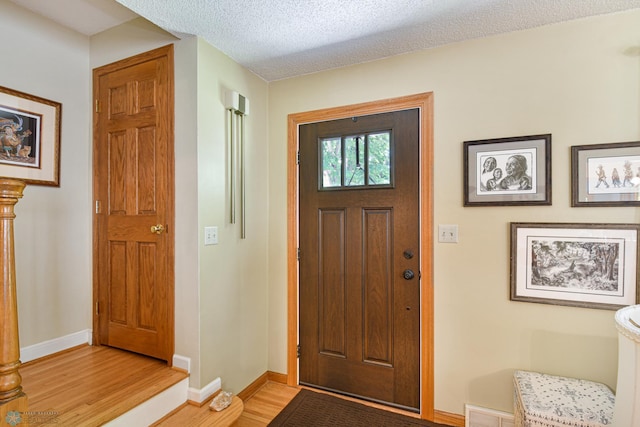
211, 235
448, 233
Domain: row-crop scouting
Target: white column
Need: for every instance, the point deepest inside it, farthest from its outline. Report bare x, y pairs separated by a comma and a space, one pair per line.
627, 409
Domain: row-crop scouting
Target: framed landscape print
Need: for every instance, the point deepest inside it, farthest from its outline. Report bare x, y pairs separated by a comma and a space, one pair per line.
582, 265
508, 171
29, 138
605, 174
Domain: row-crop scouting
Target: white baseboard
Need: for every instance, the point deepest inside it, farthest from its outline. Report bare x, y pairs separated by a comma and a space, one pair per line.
204, 393
55, 345
194, 394
155, 408
182, 362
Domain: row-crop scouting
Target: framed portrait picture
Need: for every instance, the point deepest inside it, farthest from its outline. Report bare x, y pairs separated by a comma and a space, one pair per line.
582, 265
605, 174
29, 138
508, 171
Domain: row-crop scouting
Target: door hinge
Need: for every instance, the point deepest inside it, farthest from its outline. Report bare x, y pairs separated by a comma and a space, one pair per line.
97, 206
298, 254
97, 308
298, 351
97, 106
298, 158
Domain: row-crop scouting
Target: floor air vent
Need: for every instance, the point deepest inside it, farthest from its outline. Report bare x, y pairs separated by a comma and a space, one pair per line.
476, 416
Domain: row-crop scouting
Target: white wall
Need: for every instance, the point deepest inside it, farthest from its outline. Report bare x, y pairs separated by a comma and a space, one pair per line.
579, 81
53, 224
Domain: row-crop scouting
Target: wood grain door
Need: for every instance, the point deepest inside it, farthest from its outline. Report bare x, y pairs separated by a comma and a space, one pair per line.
133, 190
359, 259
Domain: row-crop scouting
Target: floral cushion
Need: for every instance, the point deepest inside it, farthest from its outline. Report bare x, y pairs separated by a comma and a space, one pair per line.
543, 400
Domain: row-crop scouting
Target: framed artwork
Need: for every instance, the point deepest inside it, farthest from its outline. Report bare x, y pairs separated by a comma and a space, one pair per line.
605, 174
581, 265
508, 171
29, 138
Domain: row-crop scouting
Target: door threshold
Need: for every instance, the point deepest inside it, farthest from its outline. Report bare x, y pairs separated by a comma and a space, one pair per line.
379, 404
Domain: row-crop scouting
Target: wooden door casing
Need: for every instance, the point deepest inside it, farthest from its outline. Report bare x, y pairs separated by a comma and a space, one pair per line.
133, 190
424, 102
359, 318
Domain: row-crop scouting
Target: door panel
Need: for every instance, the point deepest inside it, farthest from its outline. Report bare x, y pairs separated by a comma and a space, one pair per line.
359, 318
331, 285
133, 186
378, 287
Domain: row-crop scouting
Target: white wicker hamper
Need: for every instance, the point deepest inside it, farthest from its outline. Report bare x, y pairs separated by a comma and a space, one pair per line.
543, 400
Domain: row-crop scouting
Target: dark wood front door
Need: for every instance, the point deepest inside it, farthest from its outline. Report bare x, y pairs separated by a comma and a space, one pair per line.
133, 190
359, 257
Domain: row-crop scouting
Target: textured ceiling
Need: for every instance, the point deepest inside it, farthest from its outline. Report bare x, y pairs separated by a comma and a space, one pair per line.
283, 38
277, 39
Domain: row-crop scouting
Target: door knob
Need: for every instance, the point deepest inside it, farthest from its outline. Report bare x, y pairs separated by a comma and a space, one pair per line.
408, 274
158, 229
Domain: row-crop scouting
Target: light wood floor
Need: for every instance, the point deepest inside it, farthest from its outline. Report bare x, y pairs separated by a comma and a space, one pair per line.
263, 406
88, 386
259, 409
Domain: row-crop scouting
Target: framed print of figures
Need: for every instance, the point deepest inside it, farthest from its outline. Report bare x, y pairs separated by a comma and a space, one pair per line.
29, 138
605, 174
581, 265
508, 171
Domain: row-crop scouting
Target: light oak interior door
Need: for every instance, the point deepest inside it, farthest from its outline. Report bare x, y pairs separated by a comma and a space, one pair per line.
133, 189
360, 257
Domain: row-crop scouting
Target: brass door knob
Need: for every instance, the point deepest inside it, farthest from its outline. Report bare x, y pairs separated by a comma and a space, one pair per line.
158, 229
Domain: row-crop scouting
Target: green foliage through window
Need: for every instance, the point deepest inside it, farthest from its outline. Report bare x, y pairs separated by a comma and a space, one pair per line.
356, 160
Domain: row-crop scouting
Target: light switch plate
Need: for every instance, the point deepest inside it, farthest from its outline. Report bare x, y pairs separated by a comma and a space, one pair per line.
448, 233
211, 235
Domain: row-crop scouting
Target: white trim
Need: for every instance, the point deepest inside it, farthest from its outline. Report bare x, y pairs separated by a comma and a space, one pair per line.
55, 345
199, 396
182, 362
155, 408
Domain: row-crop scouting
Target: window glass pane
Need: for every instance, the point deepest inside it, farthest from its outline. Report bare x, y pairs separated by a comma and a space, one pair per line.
331, 155
354, 160
379, 166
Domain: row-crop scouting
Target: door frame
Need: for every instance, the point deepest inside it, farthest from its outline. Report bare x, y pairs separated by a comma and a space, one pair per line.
168, 52
424, 102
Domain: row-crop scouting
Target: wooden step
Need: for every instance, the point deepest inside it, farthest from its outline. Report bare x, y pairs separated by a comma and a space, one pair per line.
92, 385
228, 415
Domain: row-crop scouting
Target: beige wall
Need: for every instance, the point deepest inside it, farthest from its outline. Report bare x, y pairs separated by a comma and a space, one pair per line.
221, 314
579, 81
233, 274
53, 225
133, 38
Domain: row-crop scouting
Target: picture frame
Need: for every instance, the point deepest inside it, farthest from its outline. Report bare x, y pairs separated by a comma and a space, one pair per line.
605, 174
580, 265
29, 138
508, 171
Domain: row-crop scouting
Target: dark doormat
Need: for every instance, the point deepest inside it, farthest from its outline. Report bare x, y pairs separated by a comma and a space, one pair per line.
317, 409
